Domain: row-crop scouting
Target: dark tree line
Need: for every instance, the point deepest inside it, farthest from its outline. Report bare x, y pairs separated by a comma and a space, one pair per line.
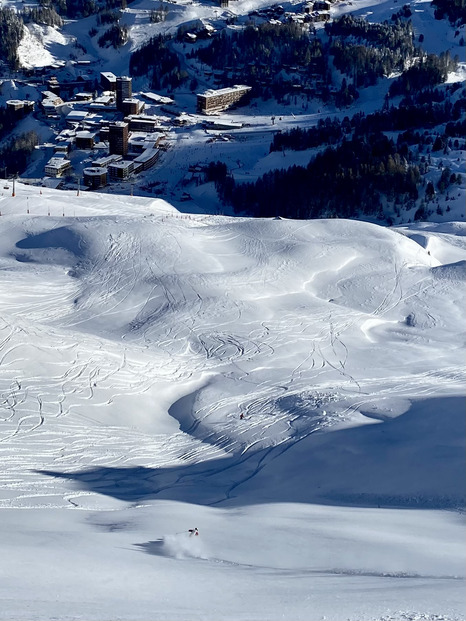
347, 181
115, 36
327, 132
42, 15
365, 65
454, 10
158, 15
156, 60
15, 153
447, 179
11, 32
275, 44
257, 56
367, 51
108, 17
383, 34
9, 119
409, 116
429, 71
75, 9
405, 12
362, 50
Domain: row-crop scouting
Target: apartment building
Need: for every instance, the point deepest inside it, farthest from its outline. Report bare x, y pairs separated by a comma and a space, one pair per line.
214, 101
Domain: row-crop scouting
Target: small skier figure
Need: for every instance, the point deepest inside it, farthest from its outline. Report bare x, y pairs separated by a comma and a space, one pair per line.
241, 416
193, 531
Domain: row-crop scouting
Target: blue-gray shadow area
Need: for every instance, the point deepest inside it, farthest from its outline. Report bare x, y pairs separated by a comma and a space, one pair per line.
415, 460
61, 237
156, 548
190, 483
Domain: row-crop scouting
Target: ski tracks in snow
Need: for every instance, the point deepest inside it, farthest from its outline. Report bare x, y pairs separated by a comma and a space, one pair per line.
146, 313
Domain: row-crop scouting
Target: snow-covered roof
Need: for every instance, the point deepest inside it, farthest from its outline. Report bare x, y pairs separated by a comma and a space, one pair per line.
76, 115
94, 171
147, 154
225, 91
160, 99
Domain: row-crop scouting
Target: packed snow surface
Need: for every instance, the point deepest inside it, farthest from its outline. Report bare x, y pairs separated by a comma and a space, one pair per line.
293, 389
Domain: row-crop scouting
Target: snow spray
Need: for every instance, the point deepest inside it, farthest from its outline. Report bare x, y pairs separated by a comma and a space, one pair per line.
184, 545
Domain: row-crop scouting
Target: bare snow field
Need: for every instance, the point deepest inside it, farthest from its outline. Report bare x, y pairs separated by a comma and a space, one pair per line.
133, 338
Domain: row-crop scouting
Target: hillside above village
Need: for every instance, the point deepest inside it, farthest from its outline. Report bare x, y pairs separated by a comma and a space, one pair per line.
300, 110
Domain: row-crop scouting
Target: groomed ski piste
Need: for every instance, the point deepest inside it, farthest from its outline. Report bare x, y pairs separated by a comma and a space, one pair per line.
293, 389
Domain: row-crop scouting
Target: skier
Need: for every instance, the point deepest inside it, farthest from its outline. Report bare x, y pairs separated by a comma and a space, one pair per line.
193, 532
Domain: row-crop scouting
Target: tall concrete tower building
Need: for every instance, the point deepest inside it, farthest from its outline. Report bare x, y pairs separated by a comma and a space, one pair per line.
124, 90
118, 138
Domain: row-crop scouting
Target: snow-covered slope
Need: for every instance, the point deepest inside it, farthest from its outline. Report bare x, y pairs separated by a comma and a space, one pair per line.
134, 337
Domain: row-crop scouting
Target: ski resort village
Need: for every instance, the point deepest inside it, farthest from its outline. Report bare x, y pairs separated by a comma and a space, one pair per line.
109, 135
100, 132
172, 98
232, 310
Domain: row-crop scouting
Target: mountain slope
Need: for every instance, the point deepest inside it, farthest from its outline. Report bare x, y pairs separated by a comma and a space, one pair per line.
132, 338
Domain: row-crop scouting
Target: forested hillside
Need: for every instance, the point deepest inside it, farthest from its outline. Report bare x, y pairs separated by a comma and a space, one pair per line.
382, 98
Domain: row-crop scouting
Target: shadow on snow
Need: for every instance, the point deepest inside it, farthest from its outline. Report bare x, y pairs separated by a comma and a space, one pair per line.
414, 460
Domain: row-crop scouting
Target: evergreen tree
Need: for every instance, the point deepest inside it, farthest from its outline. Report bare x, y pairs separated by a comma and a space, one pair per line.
11, 32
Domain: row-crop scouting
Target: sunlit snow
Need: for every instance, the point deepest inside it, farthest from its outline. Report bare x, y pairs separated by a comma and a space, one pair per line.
134, 337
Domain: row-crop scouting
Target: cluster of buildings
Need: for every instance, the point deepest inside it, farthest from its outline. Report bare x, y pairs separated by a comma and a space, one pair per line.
116, 94
116, 167
114, 122
112, 125
99, 114
309, 11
